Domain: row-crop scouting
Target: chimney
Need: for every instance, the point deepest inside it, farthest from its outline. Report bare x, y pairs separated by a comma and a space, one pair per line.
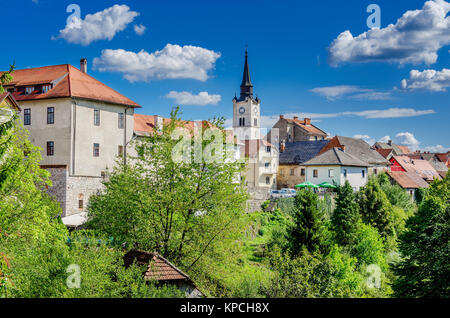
343, 148
83, 65
282, 146
295, 118
307, 121
281, 116
390, 142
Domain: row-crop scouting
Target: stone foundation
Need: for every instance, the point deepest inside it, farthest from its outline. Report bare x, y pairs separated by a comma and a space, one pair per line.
72, 192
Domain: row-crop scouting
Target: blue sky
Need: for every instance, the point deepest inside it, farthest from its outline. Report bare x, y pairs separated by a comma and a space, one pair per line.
391, 81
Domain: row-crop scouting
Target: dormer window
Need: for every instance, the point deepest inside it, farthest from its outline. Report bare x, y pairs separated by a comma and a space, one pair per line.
29, 90
46, 88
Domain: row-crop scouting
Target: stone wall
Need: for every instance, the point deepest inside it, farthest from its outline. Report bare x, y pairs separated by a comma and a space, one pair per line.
80, 189
57, 191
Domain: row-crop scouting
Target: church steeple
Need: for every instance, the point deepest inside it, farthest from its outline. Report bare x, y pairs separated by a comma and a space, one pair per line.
246, 85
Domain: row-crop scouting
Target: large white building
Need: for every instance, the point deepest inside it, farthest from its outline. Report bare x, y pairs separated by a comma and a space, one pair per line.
81, 125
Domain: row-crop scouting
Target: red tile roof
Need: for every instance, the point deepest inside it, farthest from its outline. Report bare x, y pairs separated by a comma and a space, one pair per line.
146, 124
158, 268
11, 101
384, 152
421, 167
408, 180
308, 127
67, 81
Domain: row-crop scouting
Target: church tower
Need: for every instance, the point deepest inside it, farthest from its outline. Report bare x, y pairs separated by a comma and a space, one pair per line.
246, 109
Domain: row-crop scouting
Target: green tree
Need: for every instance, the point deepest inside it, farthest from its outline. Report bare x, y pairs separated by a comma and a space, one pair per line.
190, 211
345, 219
375, 208
308, 229
424, 270
31, 233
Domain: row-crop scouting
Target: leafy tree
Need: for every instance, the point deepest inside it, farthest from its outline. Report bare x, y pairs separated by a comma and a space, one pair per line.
375, 208
31, 235
345, 219
189, 211
396, 195
312, 275
309, 230
425, 248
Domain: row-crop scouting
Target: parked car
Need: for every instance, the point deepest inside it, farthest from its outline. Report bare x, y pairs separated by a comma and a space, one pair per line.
289, 192
275, 194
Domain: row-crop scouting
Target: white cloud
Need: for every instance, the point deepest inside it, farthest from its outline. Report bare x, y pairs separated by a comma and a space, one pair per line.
172, 62
333, 92
366, 138
383, 113
201, 99
437, 148
414, 38
354, 92
140, 29
99, 26
385, 139
428, 80
407, 139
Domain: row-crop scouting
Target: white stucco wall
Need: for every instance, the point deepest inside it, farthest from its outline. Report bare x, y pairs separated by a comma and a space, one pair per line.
354, 175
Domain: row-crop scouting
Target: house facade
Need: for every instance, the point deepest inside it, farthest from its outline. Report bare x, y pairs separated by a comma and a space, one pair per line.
361, 150
81, 125
292, 156
292, 130
335, 166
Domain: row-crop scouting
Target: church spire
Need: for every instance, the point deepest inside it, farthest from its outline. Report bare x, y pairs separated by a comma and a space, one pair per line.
246, 85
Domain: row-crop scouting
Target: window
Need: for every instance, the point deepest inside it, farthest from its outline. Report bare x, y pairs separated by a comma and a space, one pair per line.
50, 148
81, 201
29, 90
267, 165
315, 173
121, 121
46, 88
363, 173
267, 180
96, 150
375, 171
256, 122
241, 121
345, 173
11, 90
282, 172
303, 172
331, 173
316, 138
27, 116
292, 172
268, 149
96, 117
50, 115
120, 151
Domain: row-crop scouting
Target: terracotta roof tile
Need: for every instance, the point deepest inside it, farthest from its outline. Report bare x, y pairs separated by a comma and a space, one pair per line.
308, 127
408, 180
421, 167
159, 268
67, 81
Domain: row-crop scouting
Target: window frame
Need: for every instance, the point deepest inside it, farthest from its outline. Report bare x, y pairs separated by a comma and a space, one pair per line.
27, 115
96, 117
50, 115
315, 173
50, 148
121, 121
96, 150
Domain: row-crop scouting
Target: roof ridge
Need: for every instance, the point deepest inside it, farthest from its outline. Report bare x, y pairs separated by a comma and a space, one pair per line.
69, 80
337, 155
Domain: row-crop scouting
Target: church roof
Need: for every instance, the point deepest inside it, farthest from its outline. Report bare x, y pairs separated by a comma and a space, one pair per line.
246, 85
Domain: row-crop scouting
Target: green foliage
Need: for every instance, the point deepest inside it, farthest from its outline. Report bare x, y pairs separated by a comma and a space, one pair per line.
375, 208
396, 195
31, 235
311, 275
6, 77
424, 270
103, 274
368, 247
190, 211
308, 230
345, 219
420, 195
